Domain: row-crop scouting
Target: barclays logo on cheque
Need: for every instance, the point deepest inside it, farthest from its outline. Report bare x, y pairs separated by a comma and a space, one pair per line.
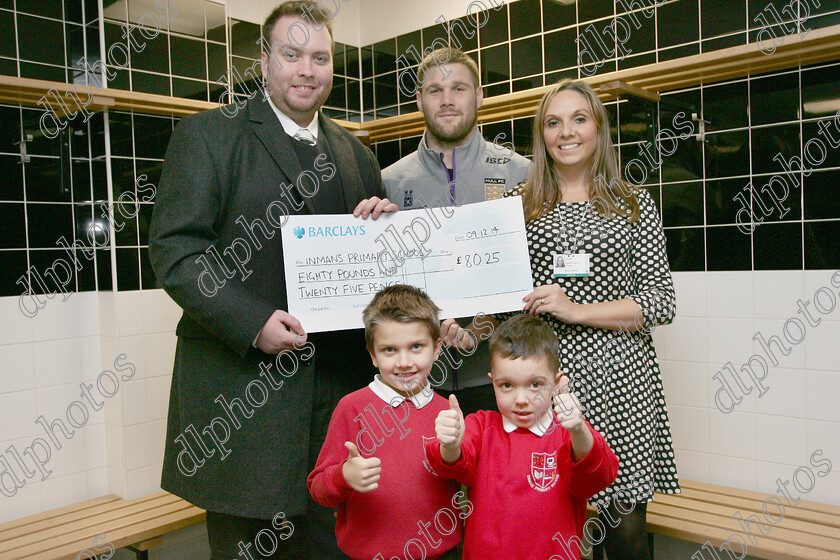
334, 231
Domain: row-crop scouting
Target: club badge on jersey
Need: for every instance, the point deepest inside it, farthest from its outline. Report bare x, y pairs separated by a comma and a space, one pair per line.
543, 475
493, 188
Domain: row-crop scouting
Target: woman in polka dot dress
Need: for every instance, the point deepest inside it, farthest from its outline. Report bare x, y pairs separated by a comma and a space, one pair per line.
603, 283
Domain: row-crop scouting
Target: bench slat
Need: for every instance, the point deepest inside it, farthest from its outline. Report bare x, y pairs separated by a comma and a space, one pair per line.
92, 515
745, 496
806, 521
140, 531
808, 505
31, 520
777, 534
149, 544
696, 533
86, 529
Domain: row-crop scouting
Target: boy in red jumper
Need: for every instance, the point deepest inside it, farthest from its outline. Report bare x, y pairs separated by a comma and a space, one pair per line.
528, 479
372, 466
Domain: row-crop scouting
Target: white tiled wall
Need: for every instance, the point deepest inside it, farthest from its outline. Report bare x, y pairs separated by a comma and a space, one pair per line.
119, 448
145, 324
766, 436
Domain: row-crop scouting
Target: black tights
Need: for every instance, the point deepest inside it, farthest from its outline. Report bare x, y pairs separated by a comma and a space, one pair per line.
627, 537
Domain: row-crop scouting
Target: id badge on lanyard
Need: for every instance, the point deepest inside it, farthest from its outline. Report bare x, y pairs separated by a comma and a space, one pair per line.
570, 263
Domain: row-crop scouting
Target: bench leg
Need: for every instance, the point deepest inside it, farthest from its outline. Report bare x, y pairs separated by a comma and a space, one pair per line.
139, 554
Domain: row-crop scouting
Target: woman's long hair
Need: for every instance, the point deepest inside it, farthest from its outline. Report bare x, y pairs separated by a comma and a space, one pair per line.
610, 195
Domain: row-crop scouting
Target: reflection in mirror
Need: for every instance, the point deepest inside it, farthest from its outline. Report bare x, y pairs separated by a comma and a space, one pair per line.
189, 19
136, 9
115, 9
215, 21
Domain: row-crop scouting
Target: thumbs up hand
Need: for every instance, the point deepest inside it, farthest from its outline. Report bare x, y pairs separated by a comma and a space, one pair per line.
567, 407
569, 415
449, 429
361, 474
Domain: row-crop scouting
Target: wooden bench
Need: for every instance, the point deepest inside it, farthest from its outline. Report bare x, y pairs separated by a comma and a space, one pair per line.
703, 512
63, 533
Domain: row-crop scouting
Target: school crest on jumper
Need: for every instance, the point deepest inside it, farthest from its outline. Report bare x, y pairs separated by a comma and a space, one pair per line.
543, 475
493, 188
426, 456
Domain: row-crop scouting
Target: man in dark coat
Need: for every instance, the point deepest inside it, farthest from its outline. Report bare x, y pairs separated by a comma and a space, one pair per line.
252, 393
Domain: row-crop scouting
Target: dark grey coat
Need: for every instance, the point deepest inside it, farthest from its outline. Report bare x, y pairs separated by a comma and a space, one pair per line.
218, 170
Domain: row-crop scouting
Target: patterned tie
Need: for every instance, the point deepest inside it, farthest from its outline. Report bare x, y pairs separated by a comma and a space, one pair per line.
303, 135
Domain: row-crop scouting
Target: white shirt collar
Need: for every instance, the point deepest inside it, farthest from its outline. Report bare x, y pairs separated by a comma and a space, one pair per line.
290, 126
539, 428
390, 396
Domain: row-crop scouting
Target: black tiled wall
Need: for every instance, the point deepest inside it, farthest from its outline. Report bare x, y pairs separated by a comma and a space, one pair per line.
186, 48
530, 43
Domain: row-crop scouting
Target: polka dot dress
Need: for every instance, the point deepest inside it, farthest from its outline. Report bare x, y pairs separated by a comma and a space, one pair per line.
615, 374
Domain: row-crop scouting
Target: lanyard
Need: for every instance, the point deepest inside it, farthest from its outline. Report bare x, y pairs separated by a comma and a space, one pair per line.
561, 226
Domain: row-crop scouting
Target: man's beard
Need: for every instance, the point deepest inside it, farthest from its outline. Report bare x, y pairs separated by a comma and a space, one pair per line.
457, 134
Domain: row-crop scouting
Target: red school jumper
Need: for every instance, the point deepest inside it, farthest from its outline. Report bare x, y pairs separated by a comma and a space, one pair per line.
410, 495
527, 492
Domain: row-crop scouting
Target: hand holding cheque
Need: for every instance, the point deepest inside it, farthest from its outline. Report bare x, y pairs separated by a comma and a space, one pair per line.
469, 259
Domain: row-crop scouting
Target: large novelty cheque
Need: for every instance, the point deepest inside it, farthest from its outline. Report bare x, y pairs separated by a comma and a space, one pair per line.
469, 259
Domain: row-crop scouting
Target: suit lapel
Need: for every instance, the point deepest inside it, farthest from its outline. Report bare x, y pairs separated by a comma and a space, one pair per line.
278, 144
348, 168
